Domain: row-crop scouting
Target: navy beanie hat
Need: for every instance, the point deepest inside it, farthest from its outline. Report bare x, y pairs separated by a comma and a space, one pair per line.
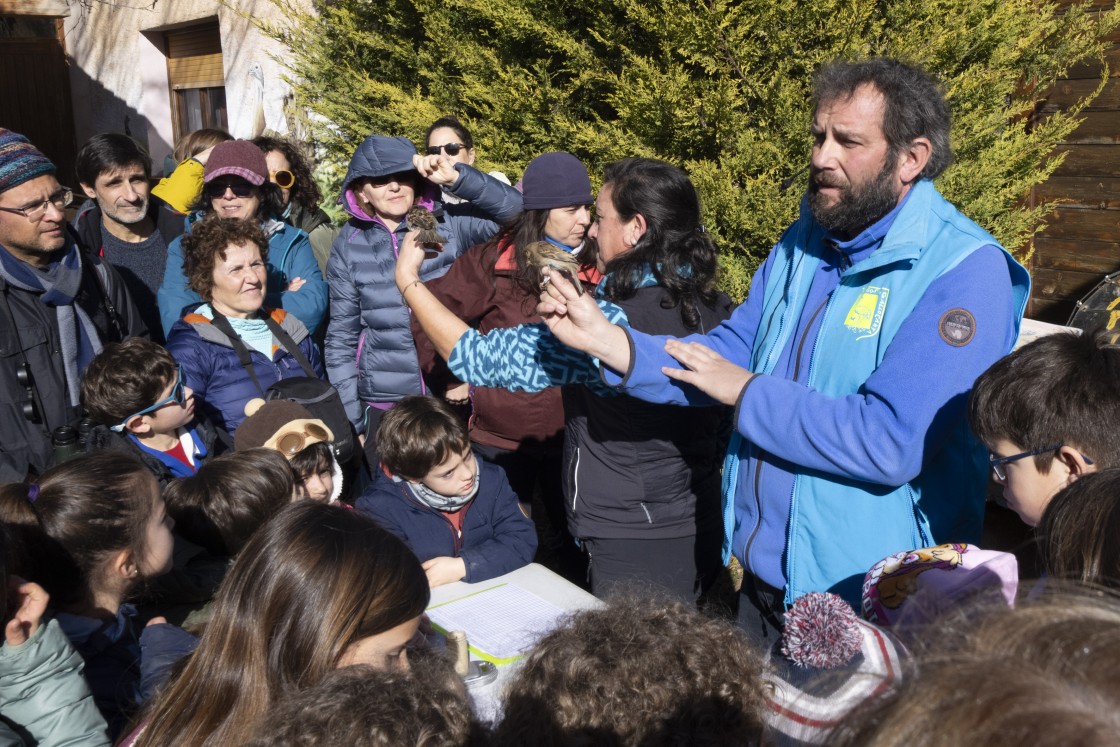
20, 161
555, 180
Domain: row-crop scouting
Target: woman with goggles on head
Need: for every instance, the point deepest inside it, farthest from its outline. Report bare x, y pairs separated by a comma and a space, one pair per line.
370, 354
233, 346
237, 185
448, 136
290, 170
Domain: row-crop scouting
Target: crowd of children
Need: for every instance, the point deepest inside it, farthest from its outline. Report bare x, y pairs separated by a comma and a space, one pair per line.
181, 585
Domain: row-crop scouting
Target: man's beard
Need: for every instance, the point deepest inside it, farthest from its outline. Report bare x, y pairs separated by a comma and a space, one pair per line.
858, 206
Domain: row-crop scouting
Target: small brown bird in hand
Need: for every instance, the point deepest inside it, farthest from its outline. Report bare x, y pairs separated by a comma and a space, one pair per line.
421, 220
542, 255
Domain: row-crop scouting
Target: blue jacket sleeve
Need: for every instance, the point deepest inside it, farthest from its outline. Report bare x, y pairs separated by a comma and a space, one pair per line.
733, 339
160, 647
525, 358
344, 330
309, 303
186, 348
44, 693
907, 407
513, 539
490, 203
381, 502
311, 350
174, 295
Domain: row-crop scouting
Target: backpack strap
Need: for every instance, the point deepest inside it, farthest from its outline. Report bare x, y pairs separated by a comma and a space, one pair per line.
290, 345
239, 347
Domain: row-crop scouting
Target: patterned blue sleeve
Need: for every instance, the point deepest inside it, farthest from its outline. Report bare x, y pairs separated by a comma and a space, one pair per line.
527, 358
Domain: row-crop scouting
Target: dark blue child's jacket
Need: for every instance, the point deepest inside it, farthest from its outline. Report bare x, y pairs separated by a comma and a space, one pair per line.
496, 536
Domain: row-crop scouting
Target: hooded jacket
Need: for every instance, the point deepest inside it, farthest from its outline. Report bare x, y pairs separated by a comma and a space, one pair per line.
212, 369
370, 353
289, 257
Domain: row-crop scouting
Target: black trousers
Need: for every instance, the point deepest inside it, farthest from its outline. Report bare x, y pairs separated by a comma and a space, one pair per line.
685, 567
761, 611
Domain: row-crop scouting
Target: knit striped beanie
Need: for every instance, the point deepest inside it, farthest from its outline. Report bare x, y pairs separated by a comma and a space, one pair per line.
20, 161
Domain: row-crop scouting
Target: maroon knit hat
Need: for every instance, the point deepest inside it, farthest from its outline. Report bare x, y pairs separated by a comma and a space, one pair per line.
239, 158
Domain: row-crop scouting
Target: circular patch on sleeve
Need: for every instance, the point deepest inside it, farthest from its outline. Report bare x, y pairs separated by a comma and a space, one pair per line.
957, 327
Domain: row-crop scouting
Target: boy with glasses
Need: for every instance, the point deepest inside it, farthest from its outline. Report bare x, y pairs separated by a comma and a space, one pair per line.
58, 307
1048, 414
135, 391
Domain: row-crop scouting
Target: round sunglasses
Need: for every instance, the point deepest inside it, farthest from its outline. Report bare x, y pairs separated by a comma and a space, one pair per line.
282, 178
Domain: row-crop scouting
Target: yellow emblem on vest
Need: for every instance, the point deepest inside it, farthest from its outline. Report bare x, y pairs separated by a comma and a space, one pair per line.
866, 315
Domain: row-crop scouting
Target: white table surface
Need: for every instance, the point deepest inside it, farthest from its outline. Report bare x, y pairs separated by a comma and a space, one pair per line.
535, 579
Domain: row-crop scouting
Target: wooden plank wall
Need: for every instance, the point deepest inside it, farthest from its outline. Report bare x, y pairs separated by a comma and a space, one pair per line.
1081, 241
35, 98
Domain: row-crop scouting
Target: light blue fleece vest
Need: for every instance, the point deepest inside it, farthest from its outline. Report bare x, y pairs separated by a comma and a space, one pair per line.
838, 528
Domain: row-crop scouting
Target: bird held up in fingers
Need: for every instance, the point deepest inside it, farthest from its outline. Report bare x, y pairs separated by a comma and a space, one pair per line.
421, 220
542, 255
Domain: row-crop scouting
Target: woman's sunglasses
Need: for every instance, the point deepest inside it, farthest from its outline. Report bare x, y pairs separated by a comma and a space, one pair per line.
240, 188
401, 177
452, 149
283, 178
176, 397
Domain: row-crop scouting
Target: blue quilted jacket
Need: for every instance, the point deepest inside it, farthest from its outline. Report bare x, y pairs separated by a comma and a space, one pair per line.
370, 354
211, 367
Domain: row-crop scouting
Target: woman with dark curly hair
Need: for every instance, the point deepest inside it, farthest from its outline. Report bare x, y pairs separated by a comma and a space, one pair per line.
641, 480
290, 170
225, 263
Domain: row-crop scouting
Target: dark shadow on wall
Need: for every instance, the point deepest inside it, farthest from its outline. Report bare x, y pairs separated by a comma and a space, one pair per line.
110, 113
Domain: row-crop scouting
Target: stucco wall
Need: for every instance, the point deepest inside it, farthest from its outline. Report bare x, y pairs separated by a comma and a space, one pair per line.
118, 72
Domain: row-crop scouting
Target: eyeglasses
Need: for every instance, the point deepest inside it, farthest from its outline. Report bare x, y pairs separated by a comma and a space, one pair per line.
452, 149
176, 398
34, 213
283, 178
240, 188
401, 177
290, 444
997, 463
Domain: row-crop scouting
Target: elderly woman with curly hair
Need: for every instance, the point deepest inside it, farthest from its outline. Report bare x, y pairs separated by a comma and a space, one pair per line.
232, 348
236, 186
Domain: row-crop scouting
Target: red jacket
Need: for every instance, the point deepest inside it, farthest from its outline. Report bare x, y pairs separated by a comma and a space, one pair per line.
482, 292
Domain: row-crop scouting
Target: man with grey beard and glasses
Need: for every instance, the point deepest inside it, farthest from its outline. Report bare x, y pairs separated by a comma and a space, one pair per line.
849, 365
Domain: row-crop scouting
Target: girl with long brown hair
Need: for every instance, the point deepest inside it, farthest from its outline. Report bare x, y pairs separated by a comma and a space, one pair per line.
316, 588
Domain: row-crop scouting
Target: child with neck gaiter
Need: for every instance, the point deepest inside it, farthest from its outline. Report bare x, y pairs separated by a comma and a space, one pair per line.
456, 511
